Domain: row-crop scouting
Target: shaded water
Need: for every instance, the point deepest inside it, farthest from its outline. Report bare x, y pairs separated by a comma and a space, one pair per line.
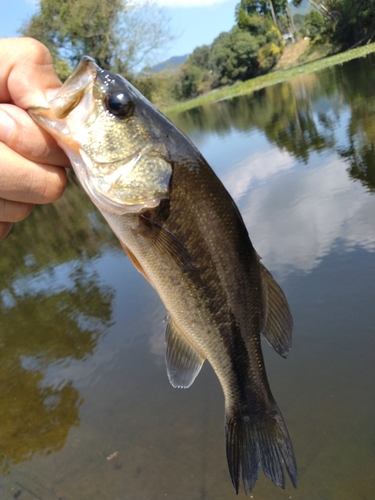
82, 375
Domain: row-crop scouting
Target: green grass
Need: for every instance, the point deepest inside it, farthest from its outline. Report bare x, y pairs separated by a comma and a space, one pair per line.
270, 79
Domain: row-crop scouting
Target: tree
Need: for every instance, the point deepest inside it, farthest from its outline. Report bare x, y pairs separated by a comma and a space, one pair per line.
195, 75
119, 34
234, 56
200, 57
348, 23
193, 81
65, 325
314, 24
250, 48
268, 55
299, 20
352, 23
254, 18
263, 7
258, 25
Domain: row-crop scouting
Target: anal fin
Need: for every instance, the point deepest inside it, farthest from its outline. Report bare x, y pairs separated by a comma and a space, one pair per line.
182, 360
278, 326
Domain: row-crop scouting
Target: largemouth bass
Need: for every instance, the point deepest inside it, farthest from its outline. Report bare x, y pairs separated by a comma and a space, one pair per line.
184, 233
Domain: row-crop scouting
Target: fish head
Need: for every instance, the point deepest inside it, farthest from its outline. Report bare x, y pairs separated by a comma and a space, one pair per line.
112, 136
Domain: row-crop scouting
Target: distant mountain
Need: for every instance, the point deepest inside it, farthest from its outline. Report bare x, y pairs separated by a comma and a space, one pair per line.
170, 65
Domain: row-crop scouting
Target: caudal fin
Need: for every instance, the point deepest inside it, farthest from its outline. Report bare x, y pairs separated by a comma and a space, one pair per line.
259, 441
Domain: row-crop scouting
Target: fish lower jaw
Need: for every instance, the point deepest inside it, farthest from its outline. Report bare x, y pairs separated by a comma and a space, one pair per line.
104, 202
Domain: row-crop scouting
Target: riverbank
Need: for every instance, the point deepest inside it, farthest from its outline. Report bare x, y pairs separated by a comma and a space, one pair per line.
270, 79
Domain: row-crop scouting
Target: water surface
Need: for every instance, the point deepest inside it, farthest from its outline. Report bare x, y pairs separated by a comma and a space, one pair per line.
81, 333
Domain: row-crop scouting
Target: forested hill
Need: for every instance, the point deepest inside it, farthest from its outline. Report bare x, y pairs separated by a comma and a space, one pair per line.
169, 65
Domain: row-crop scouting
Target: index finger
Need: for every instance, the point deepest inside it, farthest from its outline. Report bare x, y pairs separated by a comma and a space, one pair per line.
26, 72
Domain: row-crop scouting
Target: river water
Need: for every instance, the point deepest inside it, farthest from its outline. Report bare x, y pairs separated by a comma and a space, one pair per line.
86, 409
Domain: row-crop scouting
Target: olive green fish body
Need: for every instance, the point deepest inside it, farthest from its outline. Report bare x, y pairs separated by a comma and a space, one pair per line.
215, 297
183, 231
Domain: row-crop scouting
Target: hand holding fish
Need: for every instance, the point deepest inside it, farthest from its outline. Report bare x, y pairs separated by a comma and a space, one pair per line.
31, 161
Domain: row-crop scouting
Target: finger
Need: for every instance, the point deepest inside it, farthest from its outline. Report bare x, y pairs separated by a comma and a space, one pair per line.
29, 182
20, 133
13, 211
26, 72
5, 228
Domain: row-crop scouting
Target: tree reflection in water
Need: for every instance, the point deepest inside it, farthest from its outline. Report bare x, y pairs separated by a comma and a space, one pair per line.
296, 117
41, 326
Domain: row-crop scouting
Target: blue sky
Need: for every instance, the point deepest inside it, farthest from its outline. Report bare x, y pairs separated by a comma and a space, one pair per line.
197, 22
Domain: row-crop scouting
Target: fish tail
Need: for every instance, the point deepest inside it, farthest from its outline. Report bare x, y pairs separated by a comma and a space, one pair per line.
258, 440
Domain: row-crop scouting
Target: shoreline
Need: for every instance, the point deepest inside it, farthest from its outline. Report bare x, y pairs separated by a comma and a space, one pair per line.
272, 78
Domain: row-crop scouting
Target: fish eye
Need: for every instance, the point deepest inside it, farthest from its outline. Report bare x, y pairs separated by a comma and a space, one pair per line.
119, 105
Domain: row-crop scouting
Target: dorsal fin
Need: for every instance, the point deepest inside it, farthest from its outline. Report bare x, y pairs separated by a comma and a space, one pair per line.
278, 326
182, 360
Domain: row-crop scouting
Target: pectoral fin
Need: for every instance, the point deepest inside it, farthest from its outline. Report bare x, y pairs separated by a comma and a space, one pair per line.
278, 325
135, 262
183, 361
167, 243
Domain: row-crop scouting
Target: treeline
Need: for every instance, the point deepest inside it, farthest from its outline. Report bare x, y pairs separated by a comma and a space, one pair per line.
344, 24
251, 48
255, 44
123, 35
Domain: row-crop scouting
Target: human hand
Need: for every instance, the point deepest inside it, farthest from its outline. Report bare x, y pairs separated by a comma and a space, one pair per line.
30, 159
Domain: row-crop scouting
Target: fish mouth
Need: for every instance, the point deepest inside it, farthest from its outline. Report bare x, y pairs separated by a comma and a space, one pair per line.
66, 99
71, 93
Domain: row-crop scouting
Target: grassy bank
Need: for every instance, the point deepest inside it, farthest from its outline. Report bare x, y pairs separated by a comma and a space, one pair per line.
270, 79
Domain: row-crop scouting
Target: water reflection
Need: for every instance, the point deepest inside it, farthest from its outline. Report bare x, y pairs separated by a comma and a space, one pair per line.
70, 229
284, 113
303, 116
52, 311
362, 163
327, 213
322, 122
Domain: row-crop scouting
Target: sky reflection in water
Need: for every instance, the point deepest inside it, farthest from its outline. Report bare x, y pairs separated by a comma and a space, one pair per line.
82, 334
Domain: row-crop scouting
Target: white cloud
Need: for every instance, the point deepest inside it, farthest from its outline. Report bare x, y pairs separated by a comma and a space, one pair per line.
296, 219
260, 168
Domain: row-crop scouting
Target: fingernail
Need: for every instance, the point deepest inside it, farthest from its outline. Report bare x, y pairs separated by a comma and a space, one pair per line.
7, 126
5, 230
